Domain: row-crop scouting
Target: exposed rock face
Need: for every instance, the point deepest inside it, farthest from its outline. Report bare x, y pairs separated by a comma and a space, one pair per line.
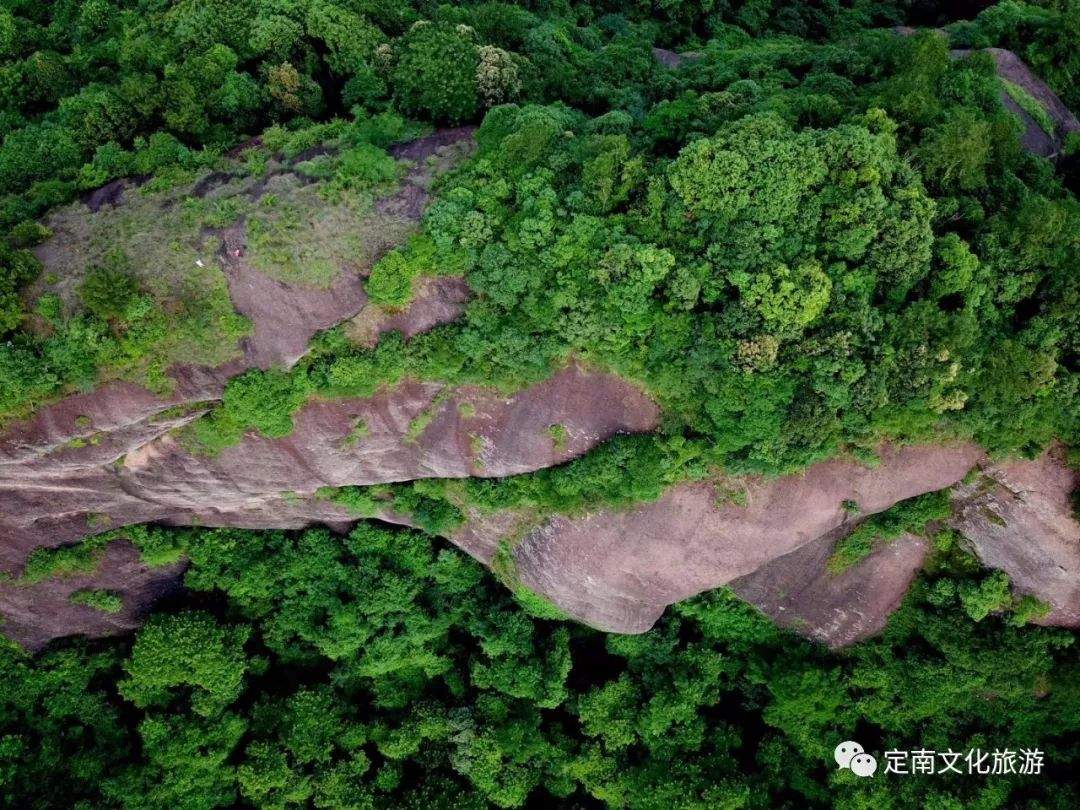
52, 493
673, 60
618, 570
436, 300
33, 613
1034, 139
109, 458
1012, 68
1018, 518
284, 317
798, 592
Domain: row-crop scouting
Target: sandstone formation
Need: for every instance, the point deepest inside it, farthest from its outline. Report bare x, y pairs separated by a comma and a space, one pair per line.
618, 570
33, 614
1019, 518
134, 470
110, 458
798, 592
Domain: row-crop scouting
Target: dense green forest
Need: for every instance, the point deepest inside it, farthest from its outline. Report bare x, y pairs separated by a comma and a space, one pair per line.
383, 669
812, 236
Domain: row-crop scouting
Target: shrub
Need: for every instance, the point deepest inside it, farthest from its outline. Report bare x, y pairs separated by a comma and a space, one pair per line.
105, 601
109, 289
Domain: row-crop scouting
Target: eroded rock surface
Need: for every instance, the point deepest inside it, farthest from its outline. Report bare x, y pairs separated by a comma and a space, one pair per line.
436, 300
1018, 518
1034, 139
618, 570
52, 490
33, 613
798, 592
673, 60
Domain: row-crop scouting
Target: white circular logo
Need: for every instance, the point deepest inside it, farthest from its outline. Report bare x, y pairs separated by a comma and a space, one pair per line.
863, 765
845, 751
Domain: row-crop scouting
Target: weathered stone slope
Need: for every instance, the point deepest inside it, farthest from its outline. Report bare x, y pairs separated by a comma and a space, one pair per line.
52, 492
1019, 518
618, 570
798, 591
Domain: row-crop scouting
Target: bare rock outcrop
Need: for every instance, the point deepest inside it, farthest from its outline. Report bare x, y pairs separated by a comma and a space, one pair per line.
32, 613
618, 570
141, 472
798, 591
1013, 69
1034, 139
1018, 518
674, 60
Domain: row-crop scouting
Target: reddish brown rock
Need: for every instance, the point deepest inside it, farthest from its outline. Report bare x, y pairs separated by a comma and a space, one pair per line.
1019, 518
32, 613
798, 592
284, 317
618, 570
414, 430
436, 300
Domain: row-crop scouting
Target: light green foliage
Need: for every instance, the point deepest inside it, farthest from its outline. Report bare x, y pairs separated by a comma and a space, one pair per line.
390, 284
1030, 105
958, 151
263, 401
70, 560
910, 516
105, 601
187, 650
559, 436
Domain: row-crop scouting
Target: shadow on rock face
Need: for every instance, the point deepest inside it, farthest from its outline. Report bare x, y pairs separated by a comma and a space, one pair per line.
35, 614
798, 592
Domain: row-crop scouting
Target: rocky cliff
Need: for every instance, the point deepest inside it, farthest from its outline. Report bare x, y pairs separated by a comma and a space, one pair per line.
110, 458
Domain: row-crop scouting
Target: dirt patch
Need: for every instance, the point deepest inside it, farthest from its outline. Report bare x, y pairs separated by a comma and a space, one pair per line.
430, 156
240, 148
210, 182
311, 153
423, 148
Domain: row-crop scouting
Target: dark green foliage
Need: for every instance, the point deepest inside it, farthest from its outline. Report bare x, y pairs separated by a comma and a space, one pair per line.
809, 238
435, 74
377, 669
18, 267
109, 290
